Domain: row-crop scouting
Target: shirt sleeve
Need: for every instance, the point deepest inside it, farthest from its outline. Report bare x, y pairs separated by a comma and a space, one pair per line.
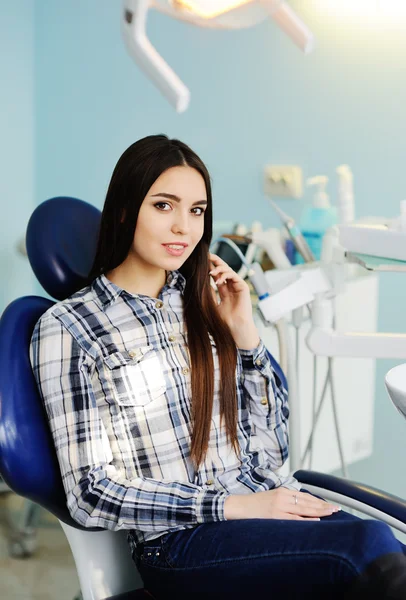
268, 402
98, 495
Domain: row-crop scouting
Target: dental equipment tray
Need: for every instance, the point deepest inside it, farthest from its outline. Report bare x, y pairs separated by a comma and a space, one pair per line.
374, 240
376, 263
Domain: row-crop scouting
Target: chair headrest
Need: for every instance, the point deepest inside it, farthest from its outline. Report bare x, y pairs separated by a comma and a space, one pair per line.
61, 242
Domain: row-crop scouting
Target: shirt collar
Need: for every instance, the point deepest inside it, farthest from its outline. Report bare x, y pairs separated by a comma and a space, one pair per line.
176, 280
107, 292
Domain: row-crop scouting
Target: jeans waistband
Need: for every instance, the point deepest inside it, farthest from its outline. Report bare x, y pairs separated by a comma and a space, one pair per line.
139, 548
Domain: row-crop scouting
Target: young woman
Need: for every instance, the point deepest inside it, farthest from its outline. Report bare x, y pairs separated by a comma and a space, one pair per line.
169, 420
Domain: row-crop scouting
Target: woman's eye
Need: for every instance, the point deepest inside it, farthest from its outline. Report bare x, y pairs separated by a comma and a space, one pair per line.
159, 205
201, 211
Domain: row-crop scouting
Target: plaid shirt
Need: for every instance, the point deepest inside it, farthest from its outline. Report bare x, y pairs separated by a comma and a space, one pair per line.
113, 371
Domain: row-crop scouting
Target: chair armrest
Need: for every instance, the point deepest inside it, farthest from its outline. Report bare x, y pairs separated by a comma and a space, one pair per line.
367, 495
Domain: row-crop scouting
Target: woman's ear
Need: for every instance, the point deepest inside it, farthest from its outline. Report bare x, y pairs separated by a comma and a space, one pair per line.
123, 215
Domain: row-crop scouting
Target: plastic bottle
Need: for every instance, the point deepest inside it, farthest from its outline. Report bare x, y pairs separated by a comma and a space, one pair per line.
345, 201
317, 218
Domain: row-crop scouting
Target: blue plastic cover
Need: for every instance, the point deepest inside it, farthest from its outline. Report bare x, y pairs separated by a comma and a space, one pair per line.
387, 503
61, 243
28, 461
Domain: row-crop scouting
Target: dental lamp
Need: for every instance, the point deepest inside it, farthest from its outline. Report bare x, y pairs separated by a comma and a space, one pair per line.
220, 14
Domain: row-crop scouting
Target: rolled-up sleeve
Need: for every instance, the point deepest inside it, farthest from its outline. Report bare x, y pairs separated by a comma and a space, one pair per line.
268, 402
98, 495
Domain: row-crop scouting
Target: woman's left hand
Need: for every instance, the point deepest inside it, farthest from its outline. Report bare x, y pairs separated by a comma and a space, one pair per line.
235, 306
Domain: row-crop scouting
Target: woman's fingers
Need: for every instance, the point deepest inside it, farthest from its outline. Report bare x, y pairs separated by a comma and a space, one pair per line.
224, 278
311, 501
305, 505
223, 275
310, 511
219, 266
216, 260
289, 517
305, 499
221, 270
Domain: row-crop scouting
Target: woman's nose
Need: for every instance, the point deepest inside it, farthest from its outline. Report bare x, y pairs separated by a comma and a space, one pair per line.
181, 224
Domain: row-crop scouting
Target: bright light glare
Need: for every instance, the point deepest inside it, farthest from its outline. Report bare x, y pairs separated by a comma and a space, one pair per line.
209, 8
392, 8
364, 8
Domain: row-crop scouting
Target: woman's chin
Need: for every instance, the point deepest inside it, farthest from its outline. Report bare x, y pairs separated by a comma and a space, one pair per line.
174, 262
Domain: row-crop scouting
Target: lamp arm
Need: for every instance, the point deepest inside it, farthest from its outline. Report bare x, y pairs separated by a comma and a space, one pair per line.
146, 56
327, 342
286, 18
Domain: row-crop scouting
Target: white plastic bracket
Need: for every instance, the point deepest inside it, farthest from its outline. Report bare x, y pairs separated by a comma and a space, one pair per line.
149, 60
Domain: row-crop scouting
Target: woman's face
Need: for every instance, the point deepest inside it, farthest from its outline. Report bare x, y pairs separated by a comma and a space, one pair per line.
171, 219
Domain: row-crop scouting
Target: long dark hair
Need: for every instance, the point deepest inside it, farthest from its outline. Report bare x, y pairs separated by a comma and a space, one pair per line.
136, 171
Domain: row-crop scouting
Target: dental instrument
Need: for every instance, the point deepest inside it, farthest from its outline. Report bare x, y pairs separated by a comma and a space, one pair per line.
233, 245
250, 251
224, 14
294, 233
271, 241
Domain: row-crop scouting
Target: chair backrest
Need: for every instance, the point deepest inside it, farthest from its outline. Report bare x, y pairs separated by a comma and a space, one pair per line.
27, 456
61, 242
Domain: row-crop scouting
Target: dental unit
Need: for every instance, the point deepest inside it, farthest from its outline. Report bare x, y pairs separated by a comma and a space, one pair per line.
285, 291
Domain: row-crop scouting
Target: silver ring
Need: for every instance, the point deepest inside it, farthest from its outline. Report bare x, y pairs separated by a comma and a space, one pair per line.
295, 497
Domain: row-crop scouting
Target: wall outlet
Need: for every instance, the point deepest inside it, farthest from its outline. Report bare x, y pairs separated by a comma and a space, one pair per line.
285, 181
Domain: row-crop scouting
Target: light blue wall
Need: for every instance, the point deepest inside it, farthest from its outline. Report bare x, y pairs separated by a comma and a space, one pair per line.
255, 99
16, 143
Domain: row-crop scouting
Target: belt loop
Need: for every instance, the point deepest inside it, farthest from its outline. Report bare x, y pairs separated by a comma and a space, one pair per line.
139, 549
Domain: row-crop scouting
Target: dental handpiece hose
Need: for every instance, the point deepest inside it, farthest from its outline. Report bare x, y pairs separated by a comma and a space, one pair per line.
295, 234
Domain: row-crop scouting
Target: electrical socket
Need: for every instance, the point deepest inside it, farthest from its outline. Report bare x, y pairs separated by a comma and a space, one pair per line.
285, 181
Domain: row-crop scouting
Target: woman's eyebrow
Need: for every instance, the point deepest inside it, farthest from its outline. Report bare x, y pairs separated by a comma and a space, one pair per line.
177, 199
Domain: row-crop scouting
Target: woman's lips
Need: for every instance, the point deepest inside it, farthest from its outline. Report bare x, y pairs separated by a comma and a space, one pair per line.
174, 251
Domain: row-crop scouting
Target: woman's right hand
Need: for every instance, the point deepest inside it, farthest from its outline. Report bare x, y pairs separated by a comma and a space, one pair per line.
278, 503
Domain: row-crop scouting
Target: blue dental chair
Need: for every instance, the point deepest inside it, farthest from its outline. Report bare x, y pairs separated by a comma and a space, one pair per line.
61, 240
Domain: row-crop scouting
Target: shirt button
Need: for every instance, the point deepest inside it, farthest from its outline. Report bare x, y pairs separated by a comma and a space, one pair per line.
171, 338
185, 371
264, 401
159, 304
209, 482
132, 353
258, 362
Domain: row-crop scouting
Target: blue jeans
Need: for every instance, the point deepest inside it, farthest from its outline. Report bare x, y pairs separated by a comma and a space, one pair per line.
269, 558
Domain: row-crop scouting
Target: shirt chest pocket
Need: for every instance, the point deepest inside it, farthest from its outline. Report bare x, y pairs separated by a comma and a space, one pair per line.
136, 376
